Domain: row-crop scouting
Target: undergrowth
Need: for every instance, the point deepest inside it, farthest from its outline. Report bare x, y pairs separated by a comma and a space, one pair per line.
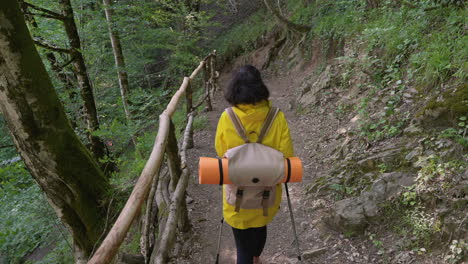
432, 44
242, 37
413, 214
26, 220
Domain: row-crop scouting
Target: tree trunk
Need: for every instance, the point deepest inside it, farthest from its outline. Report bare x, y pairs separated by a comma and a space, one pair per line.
86, 89
118, 57
64, 78
58, 161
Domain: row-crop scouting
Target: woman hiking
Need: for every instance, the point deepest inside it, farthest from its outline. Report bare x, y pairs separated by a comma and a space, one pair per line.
248, 96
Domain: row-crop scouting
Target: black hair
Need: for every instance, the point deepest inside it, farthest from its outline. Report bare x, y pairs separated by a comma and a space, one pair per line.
246, 87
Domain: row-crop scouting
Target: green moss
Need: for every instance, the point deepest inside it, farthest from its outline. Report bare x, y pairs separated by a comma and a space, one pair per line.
455, 100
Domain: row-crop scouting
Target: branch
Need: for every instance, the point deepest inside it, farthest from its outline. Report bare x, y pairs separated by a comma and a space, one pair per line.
41, 15
290, 25
202, 101
38, 42
51, 14
7, 146
66, 63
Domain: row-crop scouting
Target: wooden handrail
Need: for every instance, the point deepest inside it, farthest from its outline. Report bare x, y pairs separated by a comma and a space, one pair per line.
168, 235
116, 235
109, 247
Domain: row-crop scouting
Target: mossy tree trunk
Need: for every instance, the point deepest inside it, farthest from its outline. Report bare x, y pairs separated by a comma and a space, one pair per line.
58, 161
96, 145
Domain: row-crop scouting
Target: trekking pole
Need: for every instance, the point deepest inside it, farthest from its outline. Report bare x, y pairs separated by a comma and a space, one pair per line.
293, 223
219, 240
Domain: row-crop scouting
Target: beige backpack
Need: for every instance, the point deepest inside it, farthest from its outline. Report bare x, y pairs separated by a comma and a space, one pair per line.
254, 169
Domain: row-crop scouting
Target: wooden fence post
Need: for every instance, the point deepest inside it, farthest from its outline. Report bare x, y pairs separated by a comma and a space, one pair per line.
150, 222
172, 156
175, 170
213, 74
207, 84
168, 236
189, 107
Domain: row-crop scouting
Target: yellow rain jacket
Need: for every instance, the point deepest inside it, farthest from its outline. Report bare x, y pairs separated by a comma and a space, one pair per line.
252, 117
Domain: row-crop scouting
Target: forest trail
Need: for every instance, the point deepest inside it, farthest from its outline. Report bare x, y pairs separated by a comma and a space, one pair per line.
206, 209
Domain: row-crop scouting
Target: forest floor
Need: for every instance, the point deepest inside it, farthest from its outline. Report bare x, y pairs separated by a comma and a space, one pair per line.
309, 133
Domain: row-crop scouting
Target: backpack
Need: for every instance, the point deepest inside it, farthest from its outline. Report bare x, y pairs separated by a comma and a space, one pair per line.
254, 169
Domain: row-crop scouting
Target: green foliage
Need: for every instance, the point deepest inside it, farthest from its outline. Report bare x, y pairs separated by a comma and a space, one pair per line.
402, 36
410, 197
377, 243
382, 167
329, 19
60, 254
442, 54
455, 134
26, 220
413, 222
343, 109
133, 245
434, 182
341, 191
345, 187
116, 135
432, 43
423, 226
382, 129
241, 38
390, 122
339, 20
457, 251
131, 163
200, 122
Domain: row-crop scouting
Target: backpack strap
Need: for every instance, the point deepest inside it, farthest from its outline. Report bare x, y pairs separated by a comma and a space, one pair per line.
237, 124
265, 197
267, 123
239, 196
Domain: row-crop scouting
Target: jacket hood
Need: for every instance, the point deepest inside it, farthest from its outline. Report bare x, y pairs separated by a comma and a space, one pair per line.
253, 112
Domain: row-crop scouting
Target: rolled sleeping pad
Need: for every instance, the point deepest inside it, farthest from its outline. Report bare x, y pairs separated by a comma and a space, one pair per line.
210, 172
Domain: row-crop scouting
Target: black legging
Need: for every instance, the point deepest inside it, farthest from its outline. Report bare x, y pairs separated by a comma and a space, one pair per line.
249, 243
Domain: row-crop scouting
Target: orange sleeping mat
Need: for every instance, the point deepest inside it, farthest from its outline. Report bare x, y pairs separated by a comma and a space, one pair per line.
209, 171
